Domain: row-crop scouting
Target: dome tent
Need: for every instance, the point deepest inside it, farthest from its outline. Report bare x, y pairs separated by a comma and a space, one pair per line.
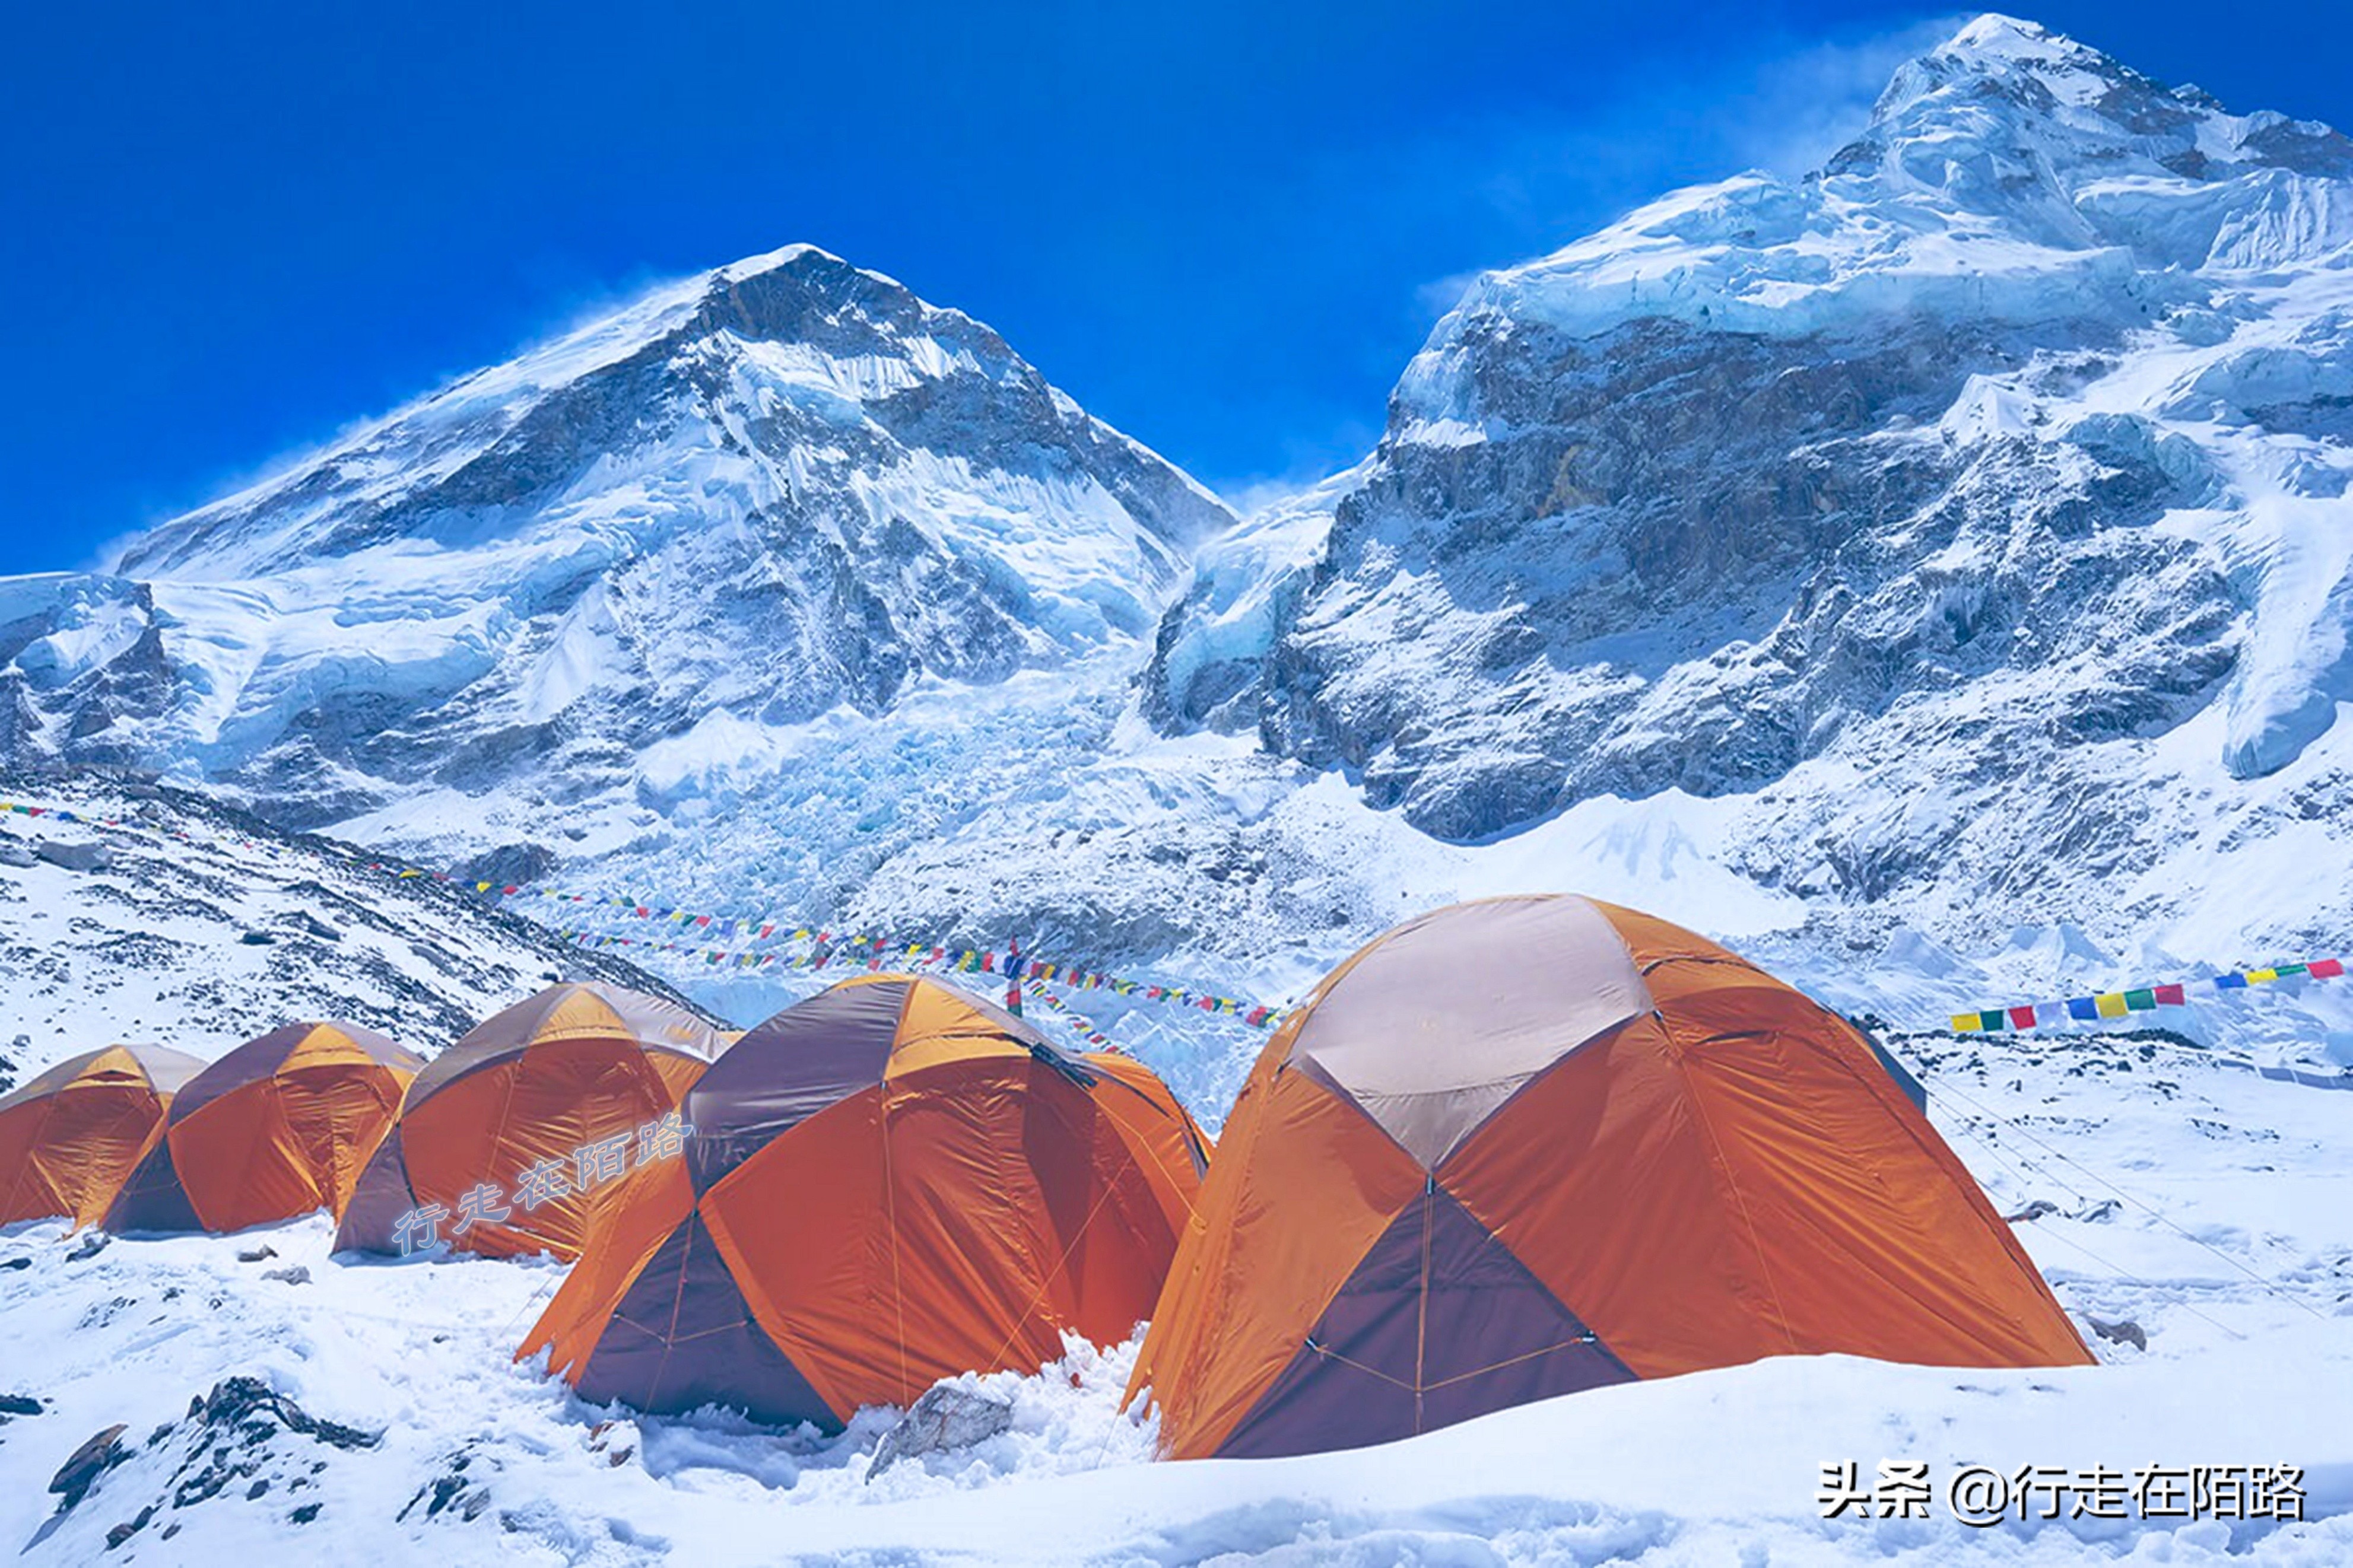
887, 1184
1527, 1146
279, 1127
71, 1136
507, 1112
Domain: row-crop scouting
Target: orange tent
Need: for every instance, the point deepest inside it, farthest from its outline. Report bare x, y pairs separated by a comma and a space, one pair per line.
515, 1139
279, 1127
887, 1183
1528, 1146
71, 1136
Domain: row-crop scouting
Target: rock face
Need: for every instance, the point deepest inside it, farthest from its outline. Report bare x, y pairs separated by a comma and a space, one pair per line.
1974, 504
785, 487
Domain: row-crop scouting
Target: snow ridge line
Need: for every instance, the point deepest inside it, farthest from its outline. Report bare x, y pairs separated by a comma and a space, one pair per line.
920, 955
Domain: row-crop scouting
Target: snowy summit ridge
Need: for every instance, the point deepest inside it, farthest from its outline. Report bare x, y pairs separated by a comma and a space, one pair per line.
785, 487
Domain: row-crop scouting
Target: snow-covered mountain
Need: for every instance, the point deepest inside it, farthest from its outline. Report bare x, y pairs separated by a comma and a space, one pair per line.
1932, 575
1965, 523
782, 489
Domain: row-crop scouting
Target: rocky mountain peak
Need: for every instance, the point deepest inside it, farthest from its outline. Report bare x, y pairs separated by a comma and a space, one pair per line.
2012, 442
2005, 110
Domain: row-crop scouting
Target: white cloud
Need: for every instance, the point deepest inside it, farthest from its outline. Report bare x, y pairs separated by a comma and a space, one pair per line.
1805, 106
1784, 111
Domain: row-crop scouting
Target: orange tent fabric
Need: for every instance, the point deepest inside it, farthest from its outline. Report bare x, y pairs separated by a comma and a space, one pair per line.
71, 1136
1527, 1146
887, 1185
513, 1139
280, 1126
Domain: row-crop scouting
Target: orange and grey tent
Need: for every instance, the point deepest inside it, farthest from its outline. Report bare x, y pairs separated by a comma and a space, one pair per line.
280, 1126
1528, 1146
71, 1136
887, 1183
515, 1138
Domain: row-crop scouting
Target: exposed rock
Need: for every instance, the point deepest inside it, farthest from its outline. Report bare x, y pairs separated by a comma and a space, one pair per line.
947, 1417
100, 1453
304, 920
508, 865
92, 857
236, 1436
300, 1274
2123, 1332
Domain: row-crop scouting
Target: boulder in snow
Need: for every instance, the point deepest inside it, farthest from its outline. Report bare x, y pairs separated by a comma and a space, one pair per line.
74, 857
947, 1417
100, 1454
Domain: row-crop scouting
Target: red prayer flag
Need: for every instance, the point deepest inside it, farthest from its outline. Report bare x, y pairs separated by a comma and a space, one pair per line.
2171, 996
2022, 1017
2324, 968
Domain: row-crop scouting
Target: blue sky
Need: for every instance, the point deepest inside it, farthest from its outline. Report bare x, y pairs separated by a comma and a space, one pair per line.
228, 232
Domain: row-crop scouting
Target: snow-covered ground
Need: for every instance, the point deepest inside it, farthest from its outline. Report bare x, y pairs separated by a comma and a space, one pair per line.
2209, 1206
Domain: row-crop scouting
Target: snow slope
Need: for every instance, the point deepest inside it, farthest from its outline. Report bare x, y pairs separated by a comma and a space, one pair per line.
199, 927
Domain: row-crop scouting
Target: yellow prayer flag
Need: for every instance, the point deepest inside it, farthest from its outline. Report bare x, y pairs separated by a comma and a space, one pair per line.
2111, 1005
